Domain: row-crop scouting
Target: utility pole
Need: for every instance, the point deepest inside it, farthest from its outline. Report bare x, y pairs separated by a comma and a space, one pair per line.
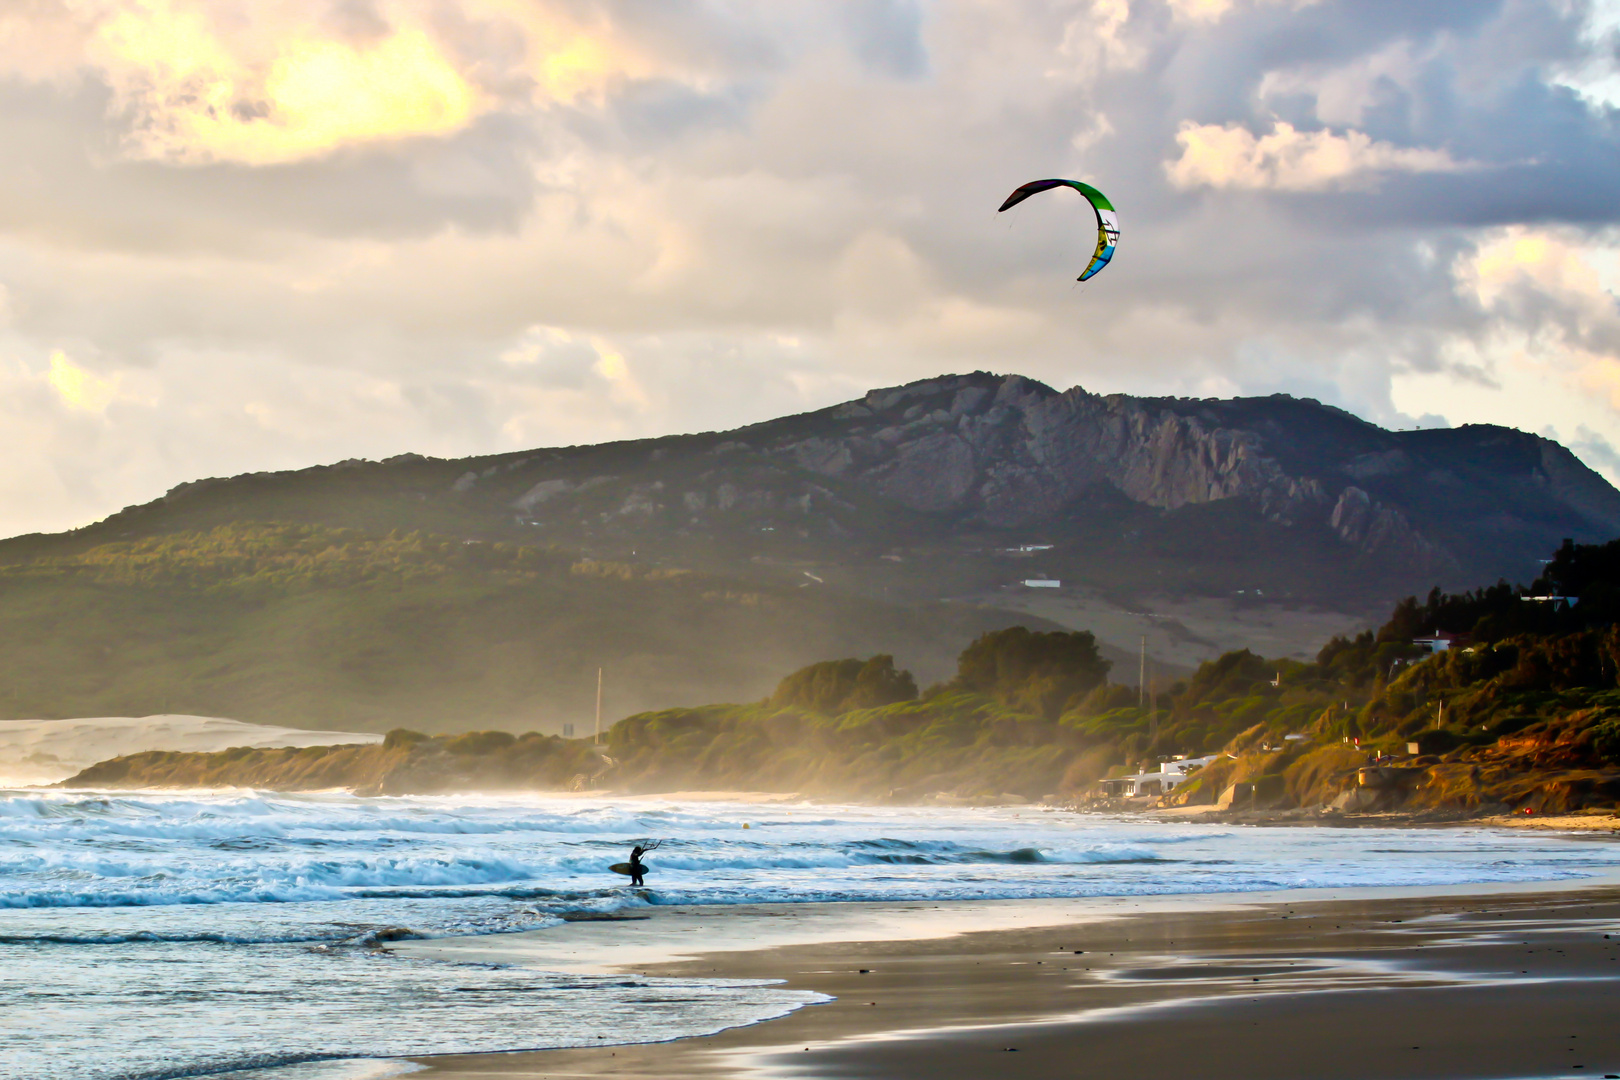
597, 739
1141, 677
1153, 714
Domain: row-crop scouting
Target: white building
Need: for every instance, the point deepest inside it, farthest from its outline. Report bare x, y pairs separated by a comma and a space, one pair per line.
1170, 775
1042, 583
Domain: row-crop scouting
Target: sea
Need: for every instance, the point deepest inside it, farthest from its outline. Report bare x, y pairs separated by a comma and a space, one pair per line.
239, 934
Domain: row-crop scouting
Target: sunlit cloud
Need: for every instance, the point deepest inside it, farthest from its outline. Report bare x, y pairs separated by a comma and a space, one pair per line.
1211, 10
571, 54
1231, 156
201, 81
199, 93
78, 388
1550, 306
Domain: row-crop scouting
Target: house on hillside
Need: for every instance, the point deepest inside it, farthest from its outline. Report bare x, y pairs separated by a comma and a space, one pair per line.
1169, 776
1441, 640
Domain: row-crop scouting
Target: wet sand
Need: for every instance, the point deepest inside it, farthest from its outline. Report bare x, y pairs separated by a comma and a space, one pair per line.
1488, 982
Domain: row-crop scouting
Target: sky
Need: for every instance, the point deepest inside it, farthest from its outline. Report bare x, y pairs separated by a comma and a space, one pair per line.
244, 235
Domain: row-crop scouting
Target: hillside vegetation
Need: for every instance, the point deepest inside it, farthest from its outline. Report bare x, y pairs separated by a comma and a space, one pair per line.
311, 626
1527, 716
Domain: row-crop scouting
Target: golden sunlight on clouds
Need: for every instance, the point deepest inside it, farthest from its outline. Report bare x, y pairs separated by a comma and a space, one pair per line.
1554, 278
78, 388
1520, 259
1291, 160
569, 59
612, 366
261, 82
272, 90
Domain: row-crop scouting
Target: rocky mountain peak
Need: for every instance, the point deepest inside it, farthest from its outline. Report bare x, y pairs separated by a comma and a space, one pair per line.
1209, 494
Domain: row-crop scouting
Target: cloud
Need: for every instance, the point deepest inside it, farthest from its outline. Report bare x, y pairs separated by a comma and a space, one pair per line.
282, 232
1596, 449
78, 388
1549, 302
1230, 156
1212, 10
275, 81
201, 84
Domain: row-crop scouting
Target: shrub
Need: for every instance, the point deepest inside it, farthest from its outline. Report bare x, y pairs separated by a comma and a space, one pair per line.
1606, 741
480, 742
1041, 672
837, 686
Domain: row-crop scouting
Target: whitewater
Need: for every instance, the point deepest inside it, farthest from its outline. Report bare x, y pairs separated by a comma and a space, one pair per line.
147, 936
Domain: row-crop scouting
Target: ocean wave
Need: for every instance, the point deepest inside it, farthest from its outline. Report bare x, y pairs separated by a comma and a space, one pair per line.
183, 896
196, 818
76, 850
147, 937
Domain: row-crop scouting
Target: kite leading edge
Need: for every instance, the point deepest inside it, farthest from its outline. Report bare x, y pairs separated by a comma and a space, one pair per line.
1107, 218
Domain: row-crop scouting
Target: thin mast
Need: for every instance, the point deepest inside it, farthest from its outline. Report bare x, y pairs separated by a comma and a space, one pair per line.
1141, 677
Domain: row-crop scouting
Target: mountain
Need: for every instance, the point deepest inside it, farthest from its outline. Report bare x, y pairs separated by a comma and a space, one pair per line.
484, 592
957, 486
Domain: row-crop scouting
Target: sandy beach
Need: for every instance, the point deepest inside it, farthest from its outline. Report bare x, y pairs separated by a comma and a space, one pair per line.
1479, 982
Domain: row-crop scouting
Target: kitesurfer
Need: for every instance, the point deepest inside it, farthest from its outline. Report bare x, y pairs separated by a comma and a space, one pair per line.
637, 867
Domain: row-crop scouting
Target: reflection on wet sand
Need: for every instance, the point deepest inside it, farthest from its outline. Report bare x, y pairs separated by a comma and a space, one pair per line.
1503, 985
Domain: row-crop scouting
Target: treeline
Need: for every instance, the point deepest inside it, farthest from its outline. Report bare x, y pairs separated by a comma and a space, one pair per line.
1527, 704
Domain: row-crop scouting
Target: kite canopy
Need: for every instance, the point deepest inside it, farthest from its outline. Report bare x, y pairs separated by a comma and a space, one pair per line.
1107, 219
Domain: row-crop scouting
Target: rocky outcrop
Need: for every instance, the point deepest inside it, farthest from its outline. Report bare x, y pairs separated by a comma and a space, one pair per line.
1375, 529
1008, 451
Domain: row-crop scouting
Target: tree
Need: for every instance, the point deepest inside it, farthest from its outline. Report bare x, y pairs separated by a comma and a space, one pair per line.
836, 686
1041, 672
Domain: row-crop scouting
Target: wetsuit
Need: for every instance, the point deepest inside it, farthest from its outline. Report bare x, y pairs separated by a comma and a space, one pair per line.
636, 867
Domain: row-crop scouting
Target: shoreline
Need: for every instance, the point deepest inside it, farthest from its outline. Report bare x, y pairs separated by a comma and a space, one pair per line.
1606, 820
1603, 821
931, 989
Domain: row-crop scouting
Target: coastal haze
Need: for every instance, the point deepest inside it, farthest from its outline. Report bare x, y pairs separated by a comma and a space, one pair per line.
35, 752
466, 457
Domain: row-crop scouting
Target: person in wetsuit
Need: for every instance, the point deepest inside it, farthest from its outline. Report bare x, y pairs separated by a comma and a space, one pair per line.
637, 868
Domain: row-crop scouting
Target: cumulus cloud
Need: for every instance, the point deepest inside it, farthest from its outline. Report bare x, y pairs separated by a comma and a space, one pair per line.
261, 235
1230, 156
1548, 300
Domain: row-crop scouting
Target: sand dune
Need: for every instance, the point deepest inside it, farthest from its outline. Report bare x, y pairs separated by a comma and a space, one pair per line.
45, 751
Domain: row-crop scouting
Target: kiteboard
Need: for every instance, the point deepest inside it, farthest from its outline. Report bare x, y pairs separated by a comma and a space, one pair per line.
624, 868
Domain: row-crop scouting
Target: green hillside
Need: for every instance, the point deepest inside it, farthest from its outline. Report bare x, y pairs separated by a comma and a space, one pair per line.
1527, 716
312, 626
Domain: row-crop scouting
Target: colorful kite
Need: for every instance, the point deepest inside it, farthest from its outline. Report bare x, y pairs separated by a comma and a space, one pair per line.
1107, 219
